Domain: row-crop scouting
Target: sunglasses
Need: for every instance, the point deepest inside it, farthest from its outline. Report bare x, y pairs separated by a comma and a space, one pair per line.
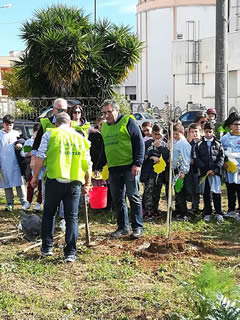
61, 110
236, 124
77, 112
202, 122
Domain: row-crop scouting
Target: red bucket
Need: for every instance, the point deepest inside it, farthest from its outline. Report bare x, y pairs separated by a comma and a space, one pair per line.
98, 197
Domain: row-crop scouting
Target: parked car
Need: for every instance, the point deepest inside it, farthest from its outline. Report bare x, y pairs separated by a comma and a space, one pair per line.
188, 117
24, 127
143, 117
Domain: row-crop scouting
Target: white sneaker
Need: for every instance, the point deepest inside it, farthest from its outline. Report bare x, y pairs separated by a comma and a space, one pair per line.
26, 206
37, 207
207, 218
232, 214
219, 218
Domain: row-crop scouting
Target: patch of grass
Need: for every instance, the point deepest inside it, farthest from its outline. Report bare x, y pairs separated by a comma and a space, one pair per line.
154, 296
102, 216
9, 302
225, 252
34, 267
110, 267
229, 230
198, 226
154, 229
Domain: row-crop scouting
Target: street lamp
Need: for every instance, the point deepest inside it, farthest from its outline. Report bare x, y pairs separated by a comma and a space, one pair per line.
6, 6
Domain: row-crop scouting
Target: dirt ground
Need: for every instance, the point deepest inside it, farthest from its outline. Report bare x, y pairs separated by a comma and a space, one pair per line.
151, 251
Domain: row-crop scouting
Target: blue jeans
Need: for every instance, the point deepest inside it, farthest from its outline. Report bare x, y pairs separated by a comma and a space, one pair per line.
123, 183
69, 193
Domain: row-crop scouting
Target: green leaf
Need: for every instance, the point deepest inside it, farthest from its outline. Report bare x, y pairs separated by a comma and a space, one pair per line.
179, 184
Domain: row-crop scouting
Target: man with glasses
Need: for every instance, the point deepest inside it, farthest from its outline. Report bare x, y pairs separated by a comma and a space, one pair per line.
124, 154
59, 105
68, 172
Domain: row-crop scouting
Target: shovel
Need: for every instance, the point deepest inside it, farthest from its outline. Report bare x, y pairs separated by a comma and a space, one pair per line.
86, 221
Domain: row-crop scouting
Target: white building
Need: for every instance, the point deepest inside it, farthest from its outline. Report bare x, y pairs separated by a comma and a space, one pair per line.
203, 92
178, 62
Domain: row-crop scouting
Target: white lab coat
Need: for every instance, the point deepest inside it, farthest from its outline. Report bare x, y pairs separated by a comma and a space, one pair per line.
10, 174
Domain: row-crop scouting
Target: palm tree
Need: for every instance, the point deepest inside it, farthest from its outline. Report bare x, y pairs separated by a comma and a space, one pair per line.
67, 55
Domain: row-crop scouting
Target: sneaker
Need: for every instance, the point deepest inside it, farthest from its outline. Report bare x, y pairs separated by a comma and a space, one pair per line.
46, 253
181, 217
219, 218
37, 207
70, 258
62, 225
137, 233
207, 218
9, 207
26, 206
231, 214
118, 233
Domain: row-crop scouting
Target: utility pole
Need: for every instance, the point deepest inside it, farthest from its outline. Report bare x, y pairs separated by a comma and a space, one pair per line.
221, 59
95, 11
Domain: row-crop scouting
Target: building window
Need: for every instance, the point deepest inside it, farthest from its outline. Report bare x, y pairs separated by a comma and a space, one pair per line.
4, 92
133, 97
233, 83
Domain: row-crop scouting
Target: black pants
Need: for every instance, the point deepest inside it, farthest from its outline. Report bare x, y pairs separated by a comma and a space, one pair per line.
207, 200
232, 190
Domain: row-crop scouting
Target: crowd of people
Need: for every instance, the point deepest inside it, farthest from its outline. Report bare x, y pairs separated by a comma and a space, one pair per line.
58, 160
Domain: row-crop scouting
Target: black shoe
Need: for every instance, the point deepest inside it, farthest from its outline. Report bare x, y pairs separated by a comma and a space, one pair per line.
118, 233
137, 233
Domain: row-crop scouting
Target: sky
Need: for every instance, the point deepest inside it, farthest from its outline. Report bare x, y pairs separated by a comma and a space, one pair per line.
11, 19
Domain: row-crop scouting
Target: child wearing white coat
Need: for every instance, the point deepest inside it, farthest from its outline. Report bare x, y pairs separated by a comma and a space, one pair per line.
10, 174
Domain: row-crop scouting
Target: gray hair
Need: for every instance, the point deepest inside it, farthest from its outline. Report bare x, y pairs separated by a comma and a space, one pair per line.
113, 103
60, 101
62, 118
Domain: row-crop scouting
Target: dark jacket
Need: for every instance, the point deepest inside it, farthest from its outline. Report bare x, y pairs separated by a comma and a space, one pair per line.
97, 146
212, 160
137, 147
193, 166
37, 140
150, 150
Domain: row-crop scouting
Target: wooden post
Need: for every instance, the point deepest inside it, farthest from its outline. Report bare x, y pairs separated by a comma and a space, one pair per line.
86, 221
169, 211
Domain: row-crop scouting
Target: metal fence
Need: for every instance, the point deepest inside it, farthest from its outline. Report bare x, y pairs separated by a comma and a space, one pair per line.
91, 106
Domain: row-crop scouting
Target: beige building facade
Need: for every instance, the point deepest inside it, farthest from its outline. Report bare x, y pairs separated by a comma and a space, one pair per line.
6, 63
